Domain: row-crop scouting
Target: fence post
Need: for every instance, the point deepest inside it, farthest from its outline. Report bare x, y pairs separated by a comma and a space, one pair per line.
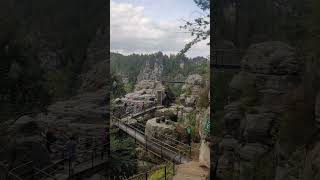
69, 170
146, 175
91, 158
173, 170
165, 172
33, 172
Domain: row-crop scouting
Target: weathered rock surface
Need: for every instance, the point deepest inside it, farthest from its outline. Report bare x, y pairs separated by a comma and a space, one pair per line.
156, 130
270, 71
317, 110
204, 153
84, 108
192, 89
273, 58
151, 71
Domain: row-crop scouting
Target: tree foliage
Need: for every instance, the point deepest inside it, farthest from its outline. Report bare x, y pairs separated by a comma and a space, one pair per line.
199, 27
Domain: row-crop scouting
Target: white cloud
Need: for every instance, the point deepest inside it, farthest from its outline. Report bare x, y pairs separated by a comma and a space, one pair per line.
133, 32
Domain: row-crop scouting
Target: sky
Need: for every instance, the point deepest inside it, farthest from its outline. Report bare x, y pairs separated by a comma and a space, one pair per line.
148, 26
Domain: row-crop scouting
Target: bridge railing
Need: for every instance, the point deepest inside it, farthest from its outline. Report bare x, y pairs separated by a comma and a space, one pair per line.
162, 172
16, 172
173, 143
94, 155
97, 153
151, 142
186, 149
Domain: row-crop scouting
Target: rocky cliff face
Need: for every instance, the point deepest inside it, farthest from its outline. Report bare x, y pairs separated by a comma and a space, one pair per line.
192, 89
151, 71
262, 94
82, 114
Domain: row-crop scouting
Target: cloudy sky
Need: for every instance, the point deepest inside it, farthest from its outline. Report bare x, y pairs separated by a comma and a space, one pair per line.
148, 26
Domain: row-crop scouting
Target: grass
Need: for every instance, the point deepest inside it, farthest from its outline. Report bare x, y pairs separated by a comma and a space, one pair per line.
160, 173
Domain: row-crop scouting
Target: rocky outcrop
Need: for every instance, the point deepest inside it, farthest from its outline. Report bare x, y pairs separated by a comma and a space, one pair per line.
317, 110
150, 85
192, 89
159, 127
270, 71
145, 94
152, 70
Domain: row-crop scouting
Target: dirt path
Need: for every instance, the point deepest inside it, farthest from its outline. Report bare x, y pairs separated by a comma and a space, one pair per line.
191, 171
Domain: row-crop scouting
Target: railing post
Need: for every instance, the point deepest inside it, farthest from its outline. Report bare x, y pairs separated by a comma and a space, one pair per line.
173, 168
165, 172
69, 162
33, 172
91, 158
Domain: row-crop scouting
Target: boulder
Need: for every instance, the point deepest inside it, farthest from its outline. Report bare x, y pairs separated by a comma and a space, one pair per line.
228, 144
194, 83
149, 85
250, 151
272, 57
166, 112
156, 130
258, 126
232, 117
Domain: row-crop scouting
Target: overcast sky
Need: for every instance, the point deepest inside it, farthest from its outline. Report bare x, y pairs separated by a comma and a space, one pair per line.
148, 26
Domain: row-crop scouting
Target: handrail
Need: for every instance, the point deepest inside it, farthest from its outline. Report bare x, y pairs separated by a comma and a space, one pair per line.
95, 147
146, 173
145, 136
183, 149
43, 172
21, 165
12, 173
16, 176
150, 138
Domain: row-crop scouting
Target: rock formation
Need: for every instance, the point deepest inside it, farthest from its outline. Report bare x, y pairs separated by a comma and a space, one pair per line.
260, 92
192, 88
151, 71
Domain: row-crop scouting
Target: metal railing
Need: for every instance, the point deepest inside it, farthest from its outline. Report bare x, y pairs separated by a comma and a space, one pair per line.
94, 156
186, 149
165, 171
14, 175
163, 149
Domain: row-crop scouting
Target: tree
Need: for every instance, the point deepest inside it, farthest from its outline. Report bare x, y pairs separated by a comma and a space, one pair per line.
200, 27
117, 87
